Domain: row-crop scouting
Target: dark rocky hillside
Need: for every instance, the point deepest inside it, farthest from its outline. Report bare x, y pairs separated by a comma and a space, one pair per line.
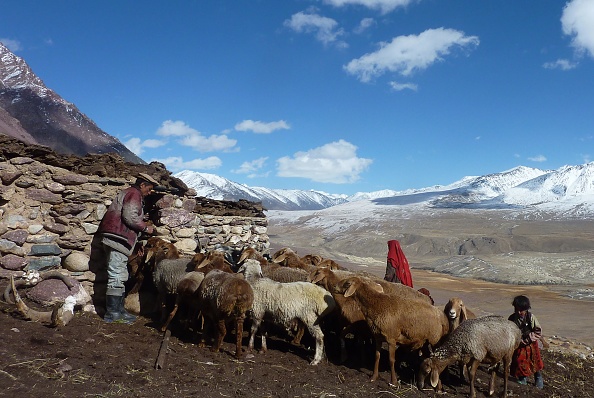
35, 114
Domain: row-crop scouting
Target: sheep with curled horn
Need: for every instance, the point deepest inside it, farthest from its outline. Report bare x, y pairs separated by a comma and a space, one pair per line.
60, 315
398, 320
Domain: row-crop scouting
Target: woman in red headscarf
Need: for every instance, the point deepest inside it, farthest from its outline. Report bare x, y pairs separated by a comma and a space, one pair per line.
397, 269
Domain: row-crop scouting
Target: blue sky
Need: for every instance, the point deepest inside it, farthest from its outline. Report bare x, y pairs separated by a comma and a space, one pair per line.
341, 96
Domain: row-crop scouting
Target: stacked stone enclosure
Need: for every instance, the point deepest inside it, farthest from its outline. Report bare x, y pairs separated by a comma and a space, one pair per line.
49, 215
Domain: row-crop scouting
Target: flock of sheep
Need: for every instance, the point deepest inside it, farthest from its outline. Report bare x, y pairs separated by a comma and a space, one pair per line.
313, 294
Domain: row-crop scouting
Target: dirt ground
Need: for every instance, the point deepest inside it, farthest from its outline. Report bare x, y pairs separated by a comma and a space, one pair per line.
89, 358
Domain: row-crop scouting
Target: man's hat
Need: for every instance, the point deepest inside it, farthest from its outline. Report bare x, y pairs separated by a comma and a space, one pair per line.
147, 178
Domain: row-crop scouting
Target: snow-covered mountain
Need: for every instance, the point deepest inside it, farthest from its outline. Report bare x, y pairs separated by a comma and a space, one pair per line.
216, 187
568, 189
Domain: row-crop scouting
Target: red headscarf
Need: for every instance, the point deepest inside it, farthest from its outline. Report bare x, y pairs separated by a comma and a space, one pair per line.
399, 262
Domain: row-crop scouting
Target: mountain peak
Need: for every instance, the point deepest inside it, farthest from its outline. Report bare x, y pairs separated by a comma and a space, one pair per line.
35, 114
15, 74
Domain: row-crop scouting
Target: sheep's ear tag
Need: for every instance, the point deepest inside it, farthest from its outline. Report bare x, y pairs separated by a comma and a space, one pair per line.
350, 291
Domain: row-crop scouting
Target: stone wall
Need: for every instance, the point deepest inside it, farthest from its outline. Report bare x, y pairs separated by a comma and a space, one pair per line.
49, 215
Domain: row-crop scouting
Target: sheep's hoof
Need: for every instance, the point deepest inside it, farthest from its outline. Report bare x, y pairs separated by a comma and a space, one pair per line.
214, 349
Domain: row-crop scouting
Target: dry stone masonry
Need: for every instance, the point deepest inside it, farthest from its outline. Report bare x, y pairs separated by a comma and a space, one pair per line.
49, 215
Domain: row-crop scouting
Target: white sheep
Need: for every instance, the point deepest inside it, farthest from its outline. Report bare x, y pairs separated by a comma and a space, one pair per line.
488, 339
285, 302
398, 320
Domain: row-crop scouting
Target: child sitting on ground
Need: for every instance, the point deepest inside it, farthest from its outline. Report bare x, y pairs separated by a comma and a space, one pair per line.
527, 359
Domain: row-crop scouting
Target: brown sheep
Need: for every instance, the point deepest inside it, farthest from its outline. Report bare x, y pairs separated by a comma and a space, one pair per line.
186, 294
348, 317
312, 259
457, 312
288, 258
398, 320
224, 297
211, 260
251, 253
143, 263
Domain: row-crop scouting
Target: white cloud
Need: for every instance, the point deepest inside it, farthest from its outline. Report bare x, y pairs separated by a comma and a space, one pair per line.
175, 128
136, 145
405, 54
539, 158
365, 24
403, 86
336, 162
175, 163
209, 144
194, 139
11, 44
384, 6
261, 127
563, 64
251, 167
578, 21
325, 29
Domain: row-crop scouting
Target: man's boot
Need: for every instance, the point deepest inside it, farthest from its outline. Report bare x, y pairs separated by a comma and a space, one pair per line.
113, 310
125, 315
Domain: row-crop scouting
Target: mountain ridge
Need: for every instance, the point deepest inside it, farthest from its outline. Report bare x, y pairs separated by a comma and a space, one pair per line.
564, 189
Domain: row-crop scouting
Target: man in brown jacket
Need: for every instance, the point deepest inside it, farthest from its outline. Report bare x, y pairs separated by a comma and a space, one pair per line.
119, 229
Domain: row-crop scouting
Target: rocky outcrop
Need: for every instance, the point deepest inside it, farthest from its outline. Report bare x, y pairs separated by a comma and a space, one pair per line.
49, 215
